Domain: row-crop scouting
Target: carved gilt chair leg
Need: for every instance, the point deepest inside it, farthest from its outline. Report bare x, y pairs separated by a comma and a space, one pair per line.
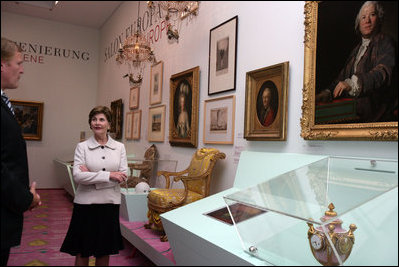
147, 225
164, 237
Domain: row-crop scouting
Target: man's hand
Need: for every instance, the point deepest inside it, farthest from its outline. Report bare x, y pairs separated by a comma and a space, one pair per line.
36, 197
340, 88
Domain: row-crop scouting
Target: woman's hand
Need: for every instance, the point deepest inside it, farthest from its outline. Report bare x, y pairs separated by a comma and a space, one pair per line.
117, 176
83, 168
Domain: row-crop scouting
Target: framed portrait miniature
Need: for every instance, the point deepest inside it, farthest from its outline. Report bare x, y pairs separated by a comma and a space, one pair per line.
350, 87
136, 126
222, 57
117, 119
129, 126
183, 116
219, 120
156, 124
30, 117
266, 103
156, 83
134, 97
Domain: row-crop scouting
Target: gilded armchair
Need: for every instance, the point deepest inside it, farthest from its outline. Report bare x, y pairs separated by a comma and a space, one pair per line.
196, 180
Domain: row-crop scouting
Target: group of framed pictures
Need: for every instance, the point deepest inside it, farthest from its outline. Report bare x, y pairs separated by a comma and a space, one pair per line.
156, 119
266, 95
133, 118
156, 114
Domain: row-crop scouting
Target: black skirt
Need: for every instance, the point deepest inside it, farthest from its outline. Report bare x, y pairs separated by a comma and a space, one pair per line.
94, 231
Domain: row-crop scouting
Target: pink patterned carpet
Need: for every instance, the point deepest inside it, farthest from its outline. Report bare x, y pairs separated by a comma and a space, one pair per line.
151, 238
45, 229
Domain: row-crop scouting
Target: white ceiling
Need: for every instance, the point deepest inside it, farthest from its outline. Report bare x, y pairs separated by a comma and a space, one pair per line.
91, 14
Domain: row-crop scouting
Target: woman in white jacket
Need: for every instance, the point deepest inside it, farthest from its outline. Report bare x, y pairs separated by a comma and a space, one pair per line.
100, 164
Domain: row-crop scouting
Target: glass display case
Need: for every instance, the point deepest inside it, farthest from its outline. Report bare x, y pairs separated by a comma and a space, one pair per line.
334, 211
134, 204
147, 170
66, 163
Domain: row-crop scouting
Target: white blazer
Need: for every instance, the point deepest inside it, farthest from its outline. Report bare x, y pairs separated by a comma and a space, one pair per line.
95, 187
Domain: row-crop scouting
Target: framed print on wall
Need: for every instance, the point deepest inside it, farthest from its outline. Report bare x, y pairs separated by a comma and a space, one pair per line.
219, 116
136, 127
266, 97
117, 119
129, 126
222, 57
134, 97
156, 83
369, 113
156, 124
183, 116
30, 117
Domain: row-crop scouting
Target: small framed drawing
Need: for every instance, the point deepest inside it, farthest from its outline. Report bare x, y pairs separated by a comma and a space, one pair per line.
129, 126
134, 97
222, 57
266, 103
183, 116
156, 124
30, 117
136, 128
156, 83
219, 120
117, 119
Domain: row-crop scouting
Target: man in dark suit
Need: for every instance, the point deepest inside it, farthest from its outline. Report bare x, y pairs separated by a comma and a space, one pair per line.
16, 196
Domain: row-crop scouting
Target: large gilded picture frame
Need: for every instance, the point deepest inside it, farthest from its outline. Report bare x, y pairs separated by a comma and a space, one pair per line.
183, 116
29, 115
339, 118
266, 97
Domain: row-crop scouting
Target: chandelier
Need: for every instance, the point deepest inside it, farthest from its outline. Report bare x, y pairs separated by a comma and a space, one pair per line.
176, 12
134, 52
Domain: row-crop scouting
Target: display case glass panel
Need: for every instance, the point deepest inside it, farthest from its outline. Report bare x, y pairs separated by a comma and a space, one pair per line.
68, 183
150, 167
333, 211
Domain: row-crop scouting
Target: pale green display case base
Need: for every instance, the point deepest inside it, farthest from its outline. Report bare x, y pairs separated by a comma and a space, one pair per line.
133, 206
197, 239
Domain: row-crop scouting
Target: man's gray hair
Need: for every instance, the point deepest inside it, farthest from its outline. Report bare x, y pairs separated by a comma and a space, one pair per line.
378, 8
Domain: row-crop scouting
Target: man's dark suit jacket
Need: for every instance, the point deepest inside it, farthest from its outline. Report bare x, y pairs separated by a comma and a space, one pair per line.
376, 72
15, 195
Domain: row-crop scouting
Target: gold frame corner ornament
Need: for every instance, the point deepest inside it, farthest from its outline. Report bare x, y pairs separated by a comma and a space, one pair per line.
375, 131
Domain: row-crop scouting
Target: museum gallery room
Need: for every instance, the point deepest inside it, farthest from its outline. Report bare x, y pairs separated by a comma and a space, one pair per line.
230, 133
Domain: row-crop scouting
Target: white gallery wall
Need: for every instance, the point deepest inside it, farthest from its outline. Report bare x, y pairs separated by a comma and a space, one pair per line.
269, 33
65, 82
